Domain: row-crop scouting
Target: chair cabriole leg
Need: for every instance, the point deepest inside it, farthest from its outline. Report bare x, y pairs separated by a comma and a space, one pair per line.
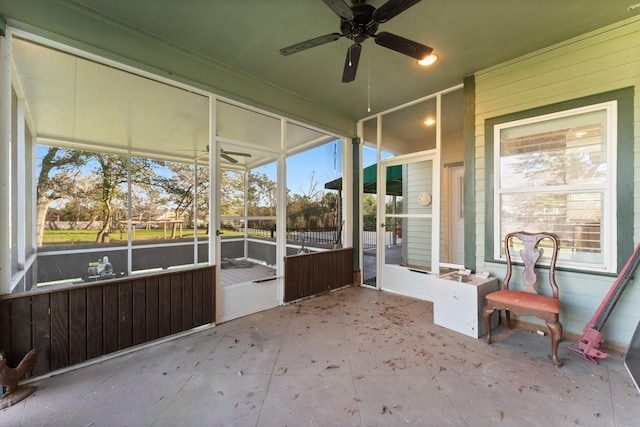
555, 328
486, 314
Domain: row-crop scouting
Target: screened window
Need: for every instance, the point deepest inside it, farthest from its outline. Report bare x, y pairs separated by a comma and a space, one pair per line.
556, 173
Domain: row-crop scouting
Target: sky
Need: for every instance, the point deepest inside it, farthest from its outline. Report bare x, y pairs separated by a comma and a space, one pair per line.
324, 163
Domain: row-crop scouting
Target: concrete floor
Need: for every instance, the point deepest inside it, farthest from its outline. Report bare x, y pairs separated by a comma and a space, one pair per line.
356, 357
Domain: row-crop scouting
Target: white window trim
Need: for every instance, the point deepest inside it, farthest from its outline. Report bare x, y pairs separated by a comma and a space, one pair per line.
610, 194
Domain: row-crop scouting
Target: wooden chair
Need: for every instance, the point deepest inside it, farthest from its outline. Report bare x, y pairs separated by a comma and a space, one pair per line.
527, 301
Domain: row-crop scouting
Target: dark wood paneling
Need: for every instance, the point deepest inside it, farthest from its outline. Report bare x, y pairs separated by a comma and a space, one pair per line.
41, 332
187, 300
20, 328
5, 330
153, 320
95, 316
59, 330
125, 315
311, 274
110, 317
77, 325
198, 299
139, 311
164, 306
176, 303
73, 324
208, 296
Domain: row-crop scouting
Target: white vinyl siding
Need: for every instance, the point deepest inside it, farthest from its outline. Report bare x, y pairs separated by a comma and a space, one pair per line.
419, 179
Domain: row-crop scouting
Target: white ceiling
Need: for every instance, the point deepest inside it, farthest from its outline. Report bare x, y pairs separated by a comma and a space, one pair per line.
77, 102
71, 99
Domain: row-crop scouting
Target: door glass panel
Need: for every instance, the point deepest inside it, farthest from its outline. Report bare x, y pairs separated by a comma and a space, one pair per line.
412, 246
202, 222
248, 209
261, 219
408, 217
248, 249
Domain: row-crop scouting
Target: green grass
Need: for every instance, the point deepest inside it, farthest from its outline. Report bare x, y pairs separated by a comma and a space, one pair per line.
65, 237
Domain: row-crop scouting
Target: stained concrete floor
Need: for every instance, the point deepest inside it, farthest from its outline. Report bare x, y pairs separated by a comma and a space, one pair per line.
355, 357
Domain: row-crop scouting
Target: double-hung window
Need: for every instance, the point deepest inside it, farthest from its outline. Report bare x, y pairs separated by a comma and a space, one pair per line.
557, 173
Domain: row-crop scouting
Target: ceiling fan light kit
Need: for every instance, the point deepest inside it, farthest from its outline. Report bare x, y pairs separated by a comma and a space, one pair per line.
428, 60
360, 22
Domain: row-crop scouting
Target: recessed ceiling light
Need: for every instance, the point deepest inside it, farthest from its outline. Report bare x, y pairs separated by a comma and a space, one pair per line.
430, 122
428, 60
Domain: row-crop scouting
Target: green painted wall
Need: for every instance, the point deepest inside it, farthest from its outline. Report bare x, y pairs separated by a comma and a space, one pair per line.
597, 62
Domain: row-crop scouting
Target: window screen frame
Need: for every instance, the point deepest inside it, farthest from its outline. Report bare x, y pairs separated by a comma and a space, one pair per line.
622, 211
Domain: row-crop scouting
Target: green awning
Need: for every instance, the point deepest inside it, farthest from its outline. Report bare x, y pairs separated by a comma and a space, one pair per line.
369, 176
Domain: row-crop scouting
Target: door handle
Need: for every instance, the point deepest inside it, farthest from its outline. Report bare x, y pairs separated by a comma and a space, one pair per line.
383, 225
218, 232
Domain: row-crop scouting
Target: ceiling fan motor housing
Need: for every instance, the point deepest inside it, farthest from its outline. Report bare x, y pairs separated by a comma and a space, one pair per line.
362, 25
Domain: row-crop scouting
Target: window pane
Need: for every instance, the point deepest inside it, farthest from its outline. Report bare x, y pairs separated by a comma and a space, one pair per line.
150, 258
410, 129
201, 226
261, 246
161, 201
232, 193
261, 199
563, 151
81, 196
90, 264
232, 239
314, 196
575, 218
413, 243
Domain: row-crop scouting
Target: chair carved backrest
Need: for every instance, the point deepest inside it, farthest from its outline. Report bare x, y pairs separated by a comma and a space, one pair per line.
530, 255
527, 302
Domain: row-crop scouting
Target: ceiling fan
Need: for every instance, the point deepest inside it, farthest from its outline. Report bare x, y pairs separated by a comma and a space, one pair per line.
227, 155
360, 22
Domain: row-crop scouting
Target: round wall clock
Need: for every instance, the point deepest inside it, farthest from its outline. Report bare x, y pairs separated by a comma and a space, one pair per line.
424, 199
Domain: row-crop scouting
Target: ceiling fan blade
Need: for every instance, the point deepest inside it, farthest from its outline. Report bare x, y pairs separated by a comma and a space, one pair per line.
351, 63
402, 45
228, 158
340, 8
294, 48
236, 153
391, 9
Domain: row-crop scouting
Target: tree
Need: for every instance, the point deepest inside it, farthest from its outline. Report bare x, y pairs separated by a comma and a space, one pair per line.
262, 195
59, 169
110, 173
180, 186
369, 206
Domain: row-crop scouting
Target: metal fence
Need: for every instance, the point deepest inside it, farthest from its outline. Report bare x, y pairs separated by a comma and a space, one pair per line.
325, 236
